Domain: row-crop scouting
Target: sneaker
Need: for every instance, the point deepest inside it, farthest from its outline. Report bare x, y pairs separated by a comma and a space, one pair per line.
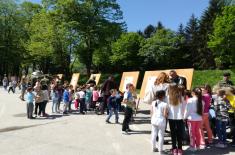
202, 147
125, 133
174, 152
220, 145
155, 150
117, 122
107, 121
180, 152
129, 130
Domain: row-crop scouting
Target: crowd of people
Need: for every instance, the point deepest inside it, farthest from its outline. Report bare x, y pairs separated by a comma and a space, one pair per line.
189, 113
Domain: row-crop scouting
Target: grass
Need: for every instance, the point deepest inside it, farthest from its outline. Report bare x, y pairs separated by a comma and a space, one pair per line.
200, 77
211, 77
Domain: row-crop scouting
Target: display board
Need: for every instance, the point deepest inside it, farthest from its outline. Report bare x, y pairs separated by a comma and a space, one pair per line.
128, 77
151, 76
60, 76
74, 79
97, 78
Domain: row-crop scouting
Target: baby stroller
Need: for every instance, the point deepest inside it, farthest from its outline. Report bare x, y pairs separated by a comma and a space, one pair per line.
98, 105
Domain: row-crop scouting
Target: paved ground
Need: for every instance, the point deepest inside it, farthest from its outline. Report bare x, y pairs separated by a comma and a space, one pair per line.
74, 134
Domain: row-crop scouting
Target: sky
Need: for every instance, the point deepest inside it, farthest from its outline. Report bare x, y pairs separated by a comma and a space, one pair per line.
138, 14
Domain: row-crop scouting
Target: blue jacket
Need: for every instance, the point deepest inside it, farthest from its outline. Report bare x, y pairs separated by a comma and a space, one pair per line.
66, 96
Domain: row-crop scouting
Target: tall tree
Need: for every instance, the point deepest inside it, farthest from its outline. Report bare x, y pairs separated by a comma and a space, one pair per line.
206, 28
192, 44
149, 31
161, 50
96, 22
222, 40
125, 52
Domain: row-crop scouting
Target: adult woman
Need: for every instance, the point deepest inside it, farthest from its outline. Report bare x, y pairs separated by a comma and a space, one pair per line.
161, 83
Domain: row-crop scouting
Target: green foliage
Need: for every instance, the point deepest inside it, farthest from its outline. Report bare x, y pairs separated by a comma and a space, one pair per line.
125, 52
160, 49
222, 41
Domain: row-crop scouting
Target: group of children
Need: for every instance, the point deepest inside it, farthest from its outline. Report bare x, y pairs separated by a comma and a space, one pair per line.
195, 111
85, 98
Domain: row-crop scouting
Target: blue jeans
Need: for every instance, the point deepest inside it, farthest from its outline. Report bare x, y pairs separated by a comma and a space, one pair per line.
221, 130
111, 110
54, 105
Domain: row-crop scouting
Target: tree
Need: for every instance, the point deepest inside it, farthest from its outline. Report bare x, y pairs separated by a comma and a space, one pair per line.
222, 40
125, 52
161, 50
96, 22
192, 42
149, 31
206, 57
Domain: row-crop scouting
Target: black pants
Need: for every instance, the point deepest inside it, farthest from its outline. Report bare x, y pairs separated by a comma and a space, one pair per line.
127, 118
232, 126
11, 89
82, 105
29, 110
176, 126
105, 104
37, 105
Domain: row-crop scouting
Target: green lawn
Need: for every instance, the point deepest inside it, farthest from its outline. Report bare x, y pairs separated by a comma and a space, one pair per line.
211, 77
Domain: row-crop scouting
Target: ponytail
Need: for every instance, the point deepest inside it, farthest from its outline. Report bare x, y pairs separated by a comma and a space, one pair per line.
198, 93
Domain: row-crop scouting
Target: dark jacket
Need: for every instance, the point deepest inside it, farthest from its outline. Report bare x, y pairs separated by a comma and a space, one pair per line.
107, 86
179, 80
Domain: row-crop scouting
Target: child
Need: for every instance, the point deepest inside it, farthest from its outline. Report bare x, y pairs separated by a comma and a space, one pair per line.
112, 105
129, 100
38, 101
11, 87
206, 97
81, 95
95, 97
54, 97
193, 114
158, 120
45, 101
88, 97
175, 117
222, 117
76, 103
71, 93
66, 99
30, 98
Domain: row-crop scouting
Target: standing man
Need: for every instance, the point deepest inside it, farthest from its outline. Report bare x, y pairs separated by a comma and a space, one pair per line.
107, 86
179, 80
226, 82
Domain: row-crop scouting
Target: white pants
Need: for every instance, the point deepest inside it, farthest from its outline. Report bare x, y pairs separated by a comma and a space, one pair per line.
158, 131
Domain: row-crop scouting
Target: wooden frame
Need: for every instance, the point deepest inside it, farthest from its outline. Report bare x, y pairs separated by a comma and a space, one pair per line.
74, 79
128, 77
150, 77
97, 77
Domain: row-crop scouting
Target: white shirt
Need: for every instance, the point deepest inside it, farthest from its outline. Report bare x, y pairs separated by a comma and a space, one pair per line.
150, 95
81, 94
191, 110
175, 112
158, 117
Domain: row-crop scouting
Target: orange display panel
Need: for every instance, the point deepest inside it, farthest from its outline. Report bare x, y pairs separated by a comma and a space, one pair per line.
60, 76
97, 77
150, 77
128, 77
74, 79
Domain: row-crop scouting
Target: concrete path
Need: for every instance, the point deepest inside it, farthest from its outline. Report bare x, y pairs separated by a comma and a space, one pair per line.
75, 134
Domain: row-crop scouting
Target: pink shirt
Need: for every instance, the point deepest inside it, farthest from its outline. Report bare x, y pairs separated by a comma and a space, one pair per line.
95, 95
207, 99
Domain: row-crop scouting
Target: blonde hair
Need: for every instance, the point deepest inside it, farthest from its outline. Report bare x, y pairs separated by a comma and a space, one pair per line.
162, 78
174, 94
